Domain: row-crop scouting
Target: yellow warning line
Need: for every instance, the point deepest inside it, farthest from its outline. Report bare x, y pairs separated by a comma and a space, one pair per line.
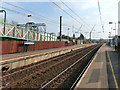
112, 71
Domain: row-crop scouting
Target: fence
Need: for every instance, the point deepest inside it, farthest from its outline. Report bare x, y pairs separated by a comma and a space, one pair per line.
17, 32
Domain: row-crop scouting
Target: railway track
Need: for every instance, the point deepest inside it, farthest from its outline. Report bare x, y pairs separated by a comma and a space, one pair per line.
38, 74
42, 62
68, 77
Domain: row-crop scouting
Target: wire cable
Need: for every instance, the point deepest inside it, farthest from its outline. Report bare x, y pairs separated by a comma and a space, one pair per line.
74, 13
65, 11
25, 14
36, 17
100, 16
30, 11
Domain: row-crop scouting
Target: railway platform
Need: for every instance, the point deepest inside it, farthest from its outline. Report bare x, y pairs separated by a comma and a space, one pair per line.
43, 51
16, 60
103, 71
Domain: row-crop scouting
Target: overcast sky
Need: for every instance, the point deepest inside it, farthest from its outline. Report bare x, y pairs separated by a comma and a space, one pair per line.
44, 11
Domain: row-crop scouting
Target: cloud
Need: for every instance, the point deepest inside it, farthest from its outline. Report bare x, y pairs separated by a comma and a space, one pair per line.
86, 9
83, 4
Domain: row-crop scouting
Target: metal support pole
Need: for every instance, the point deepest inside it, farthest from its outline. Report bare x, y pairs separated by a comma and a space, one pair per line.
22, 33
68, 33
50, 37
28, 35
14, 32
47, 36
37, 36
34, 35
44, 36
91, 32
60, 28
40, 37
90, 36
4, 19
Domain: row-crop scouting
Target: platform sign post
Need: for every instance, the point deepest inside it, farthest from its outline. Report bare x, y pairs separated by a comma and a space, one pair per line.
27, 43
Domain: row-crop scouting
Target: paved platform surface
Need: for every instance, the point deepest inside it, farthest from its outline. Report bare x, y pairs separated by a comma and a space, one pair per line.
101, 73
17, 55
113, 68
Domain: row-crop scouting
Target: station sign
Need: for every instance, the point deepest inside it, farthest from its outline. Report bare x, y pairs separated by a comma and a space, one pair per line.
29, 42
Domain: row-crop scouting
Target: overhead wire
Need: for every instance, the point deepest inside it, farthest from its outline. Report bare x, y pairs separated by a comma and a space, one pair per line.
66, 12
69, 15
30, 11
46, 18
25, 14
99, 9
13, 10
75, 13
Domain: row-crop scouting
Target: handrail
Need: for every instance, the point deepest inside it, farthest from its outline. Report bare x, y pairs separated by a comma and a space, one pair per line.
25, 32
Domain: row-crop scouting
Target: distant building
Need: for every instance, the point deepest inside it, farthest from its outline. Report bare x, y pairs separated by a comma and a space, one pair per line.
80, 39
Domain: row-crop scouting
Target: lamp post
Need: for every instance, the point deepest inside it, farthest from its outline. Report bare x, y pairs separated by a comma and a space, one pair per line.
68, 33
4, 19
29, 17
28, 25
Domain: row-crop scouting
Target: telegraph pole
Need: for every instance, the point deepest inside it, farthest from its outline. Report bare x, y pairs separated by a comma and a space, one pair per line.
60, 28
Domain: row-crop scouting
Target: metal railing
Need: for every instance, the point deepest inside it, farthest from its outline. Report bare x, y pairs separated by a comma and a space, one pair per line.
17, 32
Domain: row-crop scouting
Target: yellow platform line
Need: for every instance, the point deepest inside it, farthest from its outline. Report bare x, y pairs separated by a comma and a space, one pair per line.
112, 70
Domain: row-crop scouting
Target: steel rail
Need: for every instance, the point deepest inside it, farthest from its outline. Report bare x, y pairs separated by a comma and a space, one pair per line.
40, 71
73, 85
66, 69
37, 55
39, 64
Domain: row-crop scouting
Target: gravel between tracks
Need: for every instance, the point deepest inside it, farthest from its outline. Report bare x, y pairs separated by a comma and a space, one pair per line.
36, 81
